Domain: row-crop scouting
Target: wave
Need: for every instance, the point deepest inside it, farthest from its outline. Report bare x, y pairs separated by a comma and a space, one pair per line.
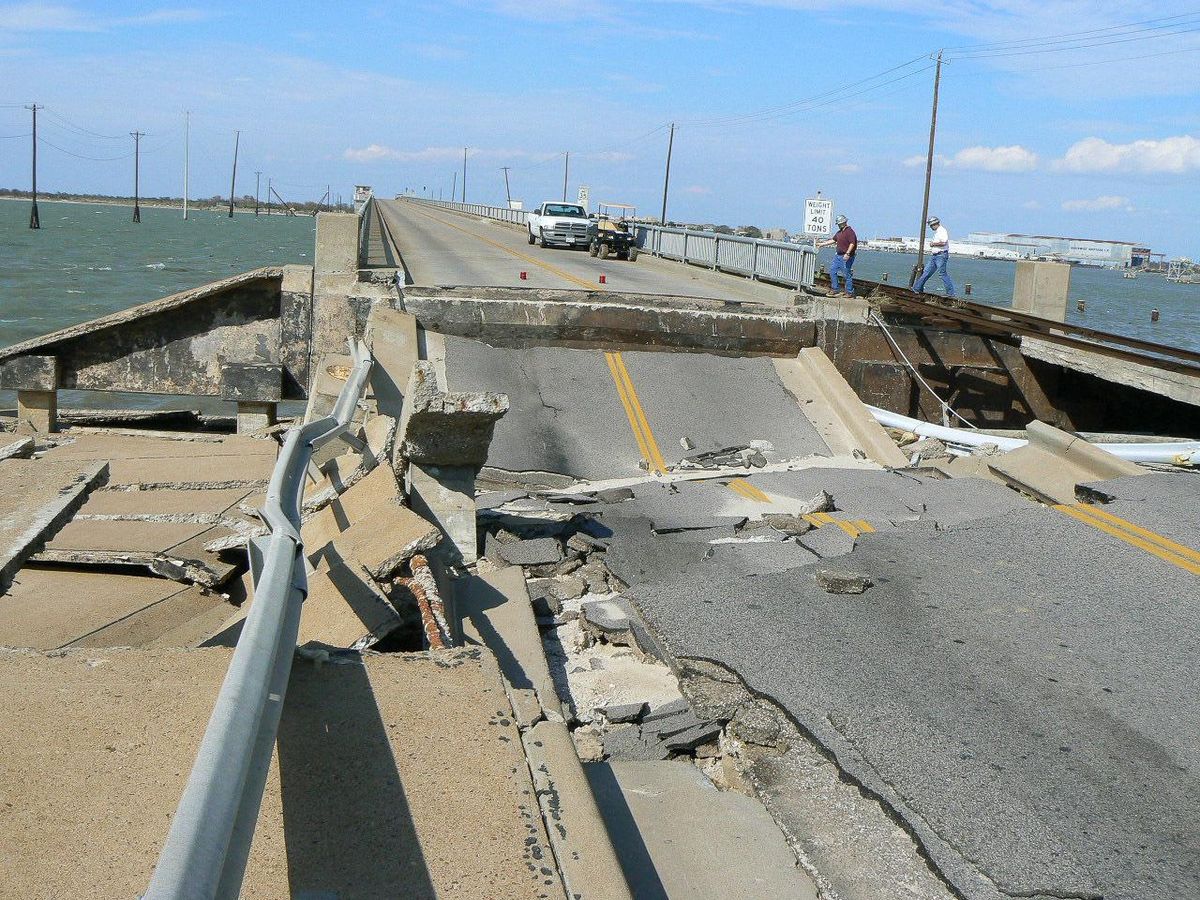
157, 265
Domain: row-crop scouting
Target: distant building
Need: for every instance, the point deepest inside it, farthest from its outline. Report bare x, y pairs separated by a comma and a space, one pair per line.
776, 234
1082, 251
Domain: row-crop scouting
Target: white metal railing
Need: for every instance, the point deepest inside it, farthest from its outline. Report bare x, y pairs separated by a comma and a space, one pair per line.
205, 853
793, 265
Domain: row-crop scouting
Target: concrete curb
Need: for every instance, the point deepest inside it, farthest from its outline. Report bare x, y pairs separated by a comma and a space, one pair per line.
580, 840
837, 413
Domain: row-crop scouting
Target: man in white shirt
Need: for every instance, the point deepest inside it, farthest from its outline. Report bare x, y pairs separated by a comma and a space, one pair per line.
939, 255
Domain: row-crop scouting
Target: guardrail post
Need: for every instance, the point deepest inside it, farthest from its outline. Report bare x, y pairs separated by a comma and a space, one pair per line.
754, 264
716, 251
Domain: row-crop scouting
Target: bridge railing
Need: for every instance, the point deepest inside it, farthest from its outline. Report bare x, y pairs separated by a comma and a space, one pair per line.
206, 849
793, 265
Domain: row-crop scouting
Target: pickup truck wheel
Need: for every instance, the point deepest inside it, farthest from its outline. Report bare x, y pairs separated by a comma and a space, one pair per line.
633, 252
593, 249
531, 237
542, 242
603, 251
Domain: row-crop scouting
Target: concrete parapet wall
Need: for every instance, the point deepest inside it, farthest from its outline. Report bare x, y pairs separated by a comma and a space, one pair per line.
527, 317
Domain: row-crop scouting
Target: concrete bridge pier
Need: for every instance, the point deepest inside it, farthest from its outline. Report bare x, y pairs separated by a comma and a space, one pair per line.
35, 379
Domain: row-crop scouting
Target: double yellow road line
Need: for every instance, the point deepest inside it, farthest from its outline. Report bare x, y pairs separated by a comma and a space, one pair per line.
637, 416
1164, 548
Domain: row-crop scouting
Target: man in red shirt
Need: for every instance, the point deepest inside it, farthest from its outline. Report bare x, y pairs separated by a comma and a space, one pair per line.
845, 243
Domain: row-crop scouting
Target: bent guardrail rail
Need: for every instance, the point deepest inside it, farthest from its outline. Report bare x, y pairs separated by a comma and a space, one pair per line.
793, 265
206, 849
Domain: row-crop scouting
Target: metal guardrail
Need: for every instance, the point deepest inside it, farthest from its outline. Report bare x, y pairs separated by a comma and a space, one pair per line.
793, 265
205, 853
364, 231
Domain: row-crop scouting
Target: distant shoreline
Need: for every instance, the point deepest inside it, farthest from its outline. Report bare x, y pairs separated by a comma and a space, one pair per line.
306, 209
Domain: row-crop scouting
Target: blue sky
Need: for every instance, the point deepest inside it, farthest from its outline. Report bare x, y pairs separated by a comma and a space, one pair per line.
1097, 141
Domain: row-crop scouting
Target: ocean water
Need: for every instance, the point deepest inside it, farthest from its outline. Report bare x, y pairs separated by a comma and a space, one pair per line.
1116, 304
90, 259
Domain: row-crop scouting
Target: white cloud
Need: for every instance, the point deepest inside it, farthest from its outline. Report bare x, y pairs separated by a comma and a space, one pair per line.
1098, 204
60, 17
913, 161
848, 168
1013, 158
1173, 155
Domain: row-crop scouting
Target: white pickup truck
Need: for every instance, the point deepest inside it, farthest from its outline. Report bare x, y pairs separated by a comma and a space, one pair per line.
562, 224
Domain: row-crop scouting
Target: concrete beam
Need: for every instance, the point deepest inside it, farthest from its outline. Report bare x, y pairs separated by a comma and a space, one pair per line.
254, 416
38, 410
30, 373
1050, 466
1041, 288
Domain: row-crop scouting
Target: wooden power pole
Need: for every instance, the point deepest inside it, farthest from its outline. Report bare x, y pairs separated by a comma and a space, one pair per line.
937, 82
667, 176
137, 158
34, 220
237, 138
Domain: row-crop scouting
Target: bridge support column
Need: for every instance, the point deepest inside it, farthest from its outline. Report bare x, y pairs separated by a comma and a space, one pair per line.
35, 379
254, 416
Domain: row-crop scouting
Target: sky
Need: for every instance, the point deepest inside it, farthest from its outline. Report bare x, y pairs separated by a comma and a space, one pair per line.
1055, 116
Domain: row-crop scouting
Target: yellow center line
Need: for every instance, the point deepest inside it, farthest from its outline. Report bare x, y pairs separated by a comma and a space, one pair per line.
747, 490
1155, 545
553, 270
864, 526
616, 365
847, 527
655, 458
1154, 538
634, 424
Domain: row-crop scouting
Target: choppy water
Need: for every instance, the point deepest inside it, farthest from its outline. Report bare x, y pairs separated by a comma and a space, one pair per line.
90, 259
1116, 304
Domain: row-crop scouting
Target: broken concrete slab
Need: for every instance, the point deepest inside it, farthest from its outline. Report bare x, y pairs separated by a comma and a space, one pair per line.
39, 497
380, 542
343, 609
628, 743
175, 550
834, 581
447, 429
623, 712
1053, 462
828, 541
533, 552
50, 608
392, 337
368, 760
496, 612
18, 449
445, 496
652, 810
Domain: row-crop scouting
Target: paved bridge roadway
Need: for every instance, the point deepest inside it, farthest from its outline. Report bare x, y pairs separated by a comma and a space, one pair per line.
1018, 684
440, 247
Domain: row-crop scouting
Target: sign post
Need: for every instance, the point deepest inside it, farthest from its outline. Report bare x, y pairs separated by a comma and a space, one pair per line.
818, 217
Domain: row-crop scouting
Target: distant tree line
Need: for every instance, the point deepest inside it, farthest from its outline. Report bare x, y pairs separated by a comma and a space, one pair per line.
246, 201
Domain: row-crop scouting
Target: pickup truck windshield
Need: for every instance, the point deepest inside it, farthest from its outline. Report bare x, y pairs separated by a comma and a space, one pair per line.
565, 209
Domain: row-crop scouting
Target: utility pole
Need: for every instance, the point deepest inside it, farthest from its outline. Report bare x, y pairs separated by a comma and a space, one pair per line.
34, 221
454, 186
464, 193
937, 81
237, 138
507, 192
137, 145
187, 134
667, 177
257, 182
328, 198
268, 195
566, 171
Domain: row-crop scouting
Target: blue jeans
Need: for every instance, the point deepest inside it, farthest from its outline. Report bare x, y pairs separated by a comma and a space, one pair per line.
936, 263
842, 266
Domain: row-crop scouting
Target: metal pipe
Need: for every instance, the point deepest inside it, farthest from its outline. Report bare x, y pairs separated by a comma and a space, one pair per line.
204, 855
1179, 453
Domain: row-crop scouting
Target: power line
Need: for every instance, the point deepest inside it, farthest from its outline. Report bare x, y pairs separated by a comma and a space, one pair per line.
47, 143
797, 105
1073, 34
69, 124
1074, 46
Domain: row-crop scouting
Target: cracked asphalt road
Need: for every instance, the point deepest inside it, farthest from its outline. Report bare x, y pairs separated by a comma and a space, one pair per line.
1017, 687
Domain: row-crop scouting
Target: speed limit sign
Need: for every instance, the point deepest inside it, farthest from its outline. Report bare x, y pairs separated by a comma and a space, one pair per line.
818, 216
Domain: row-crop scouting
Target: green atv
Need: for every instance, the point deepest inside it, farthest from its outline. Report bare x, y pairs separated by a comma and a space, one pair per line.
609, 233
